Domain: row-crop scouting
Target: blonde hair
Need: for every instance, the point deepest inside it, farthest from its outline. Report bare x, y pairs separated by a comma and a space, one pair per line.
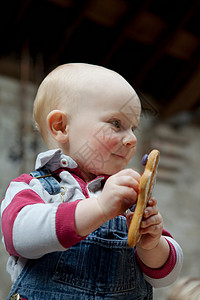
186, 289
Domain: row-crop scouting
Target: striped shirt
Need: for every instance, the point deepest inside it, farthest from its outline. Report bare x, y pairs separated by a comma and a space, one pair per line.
35, 223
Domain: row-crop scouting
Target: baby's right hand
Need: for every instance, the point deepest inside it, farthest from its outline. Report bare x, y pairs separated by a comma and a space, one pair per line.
119, 193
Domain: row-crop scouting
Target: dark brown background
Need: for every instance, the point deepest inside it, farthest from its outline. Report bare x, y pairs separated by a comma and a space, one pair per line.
154, 44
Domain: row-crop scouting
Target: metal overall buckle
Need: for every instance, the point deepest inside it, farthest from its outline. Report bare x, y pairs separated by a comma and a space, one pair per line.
17, 296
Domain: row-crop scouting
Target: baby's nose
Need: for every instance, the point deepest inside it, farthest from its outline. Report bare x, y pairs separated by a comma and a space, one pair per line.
130, 140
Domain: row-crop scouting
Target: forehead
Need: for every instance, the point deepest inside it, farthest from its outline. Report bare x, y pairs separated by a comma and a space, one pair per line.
123, 107
110, 88
103, 90
131, 110
121, 100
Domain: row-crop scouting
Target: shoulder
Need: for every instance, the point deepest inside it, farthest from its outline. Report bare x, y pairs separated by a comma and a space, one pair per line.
20, 189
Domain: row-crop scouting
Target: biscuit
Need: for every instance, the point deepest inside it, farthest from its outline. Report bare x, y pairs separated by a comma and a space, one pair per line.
146, 185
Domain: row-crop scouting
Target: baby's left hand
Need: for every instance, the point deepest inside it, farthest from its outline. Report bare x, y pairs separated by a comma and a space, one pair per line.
151, 226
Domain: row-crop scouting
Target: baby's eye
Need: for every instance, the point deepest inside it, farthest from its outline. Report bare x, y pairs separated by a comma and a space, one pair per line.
116, 123
134, 129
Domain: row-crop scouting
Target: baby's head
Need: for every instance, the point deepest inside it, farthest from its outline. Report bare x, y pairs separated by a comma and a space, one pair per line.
84, 108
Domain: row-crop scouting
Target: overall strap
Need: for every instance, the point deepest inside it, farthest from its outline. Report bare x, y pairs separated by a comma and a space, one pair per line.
50, 184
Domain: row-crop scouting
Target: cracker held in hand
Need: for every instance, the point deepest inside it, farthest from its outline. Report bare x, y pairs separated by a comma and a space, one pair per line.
147, 182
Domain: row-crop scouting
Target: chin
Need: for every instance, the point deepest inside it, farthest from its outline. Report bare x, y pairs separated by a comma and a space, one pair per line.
115, 170
108, 170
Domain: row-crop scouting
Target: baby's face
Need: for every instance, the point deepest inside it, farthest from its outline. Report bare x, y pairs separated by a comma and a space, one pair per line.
101, 132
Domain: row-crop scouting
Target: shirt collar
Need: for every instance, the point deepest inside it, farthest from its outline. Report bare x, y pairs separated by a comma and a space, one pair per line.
53, 160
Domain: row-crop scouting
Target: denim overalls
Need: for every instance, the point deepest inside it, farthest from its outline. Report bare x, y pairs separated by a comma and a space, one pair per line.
100, 267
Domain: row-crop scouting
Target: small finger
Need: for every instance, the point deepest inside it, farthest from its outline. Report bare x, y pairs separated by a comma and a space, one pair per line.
152, 201
153, 220
150, 210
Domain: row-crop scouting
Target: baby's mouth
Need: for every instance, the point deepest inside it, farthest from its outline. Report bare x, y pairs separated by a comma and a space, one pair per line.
122, 156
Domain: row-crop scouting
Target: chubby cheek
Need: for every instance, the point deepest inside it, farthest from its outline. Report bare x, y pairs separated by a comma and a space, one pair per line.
107, 144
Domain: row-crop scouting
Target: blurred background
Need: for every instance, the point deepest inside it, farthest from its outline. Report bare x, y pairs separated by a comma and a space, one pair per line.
155, 45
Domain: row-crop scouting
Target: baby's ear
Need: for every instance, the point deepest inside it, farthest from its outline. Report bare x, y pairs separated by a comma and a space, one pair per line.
58, 125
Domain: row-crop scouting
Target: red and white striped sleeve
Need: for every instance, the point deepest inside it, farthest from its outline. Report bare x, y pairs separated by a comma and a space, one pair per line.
168, 273
32, 225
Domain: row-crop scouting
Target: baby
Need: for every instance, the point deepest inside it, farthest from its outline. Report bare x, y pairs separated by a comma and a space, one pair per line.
64, 225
